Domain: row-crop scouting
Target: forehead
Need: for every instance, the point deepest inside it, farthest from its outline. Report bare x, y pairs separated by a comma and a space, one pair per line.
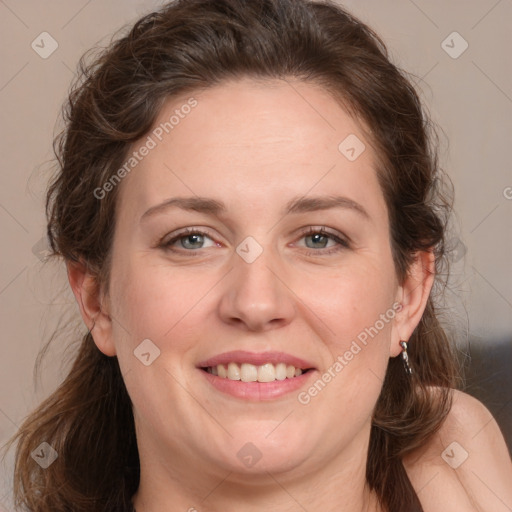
248, 141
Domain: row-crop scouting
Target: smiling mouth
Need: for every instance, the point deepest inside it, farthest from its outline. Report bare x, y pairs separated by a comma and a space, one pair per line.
247, 372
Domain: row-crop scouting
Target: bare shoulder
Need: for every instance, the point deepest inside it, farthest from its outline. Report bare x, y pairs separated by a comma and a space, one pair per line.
466, 466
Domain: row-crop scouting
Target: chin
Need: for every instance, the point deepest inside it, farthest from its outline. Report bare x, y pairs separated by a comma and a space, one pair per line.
262, 453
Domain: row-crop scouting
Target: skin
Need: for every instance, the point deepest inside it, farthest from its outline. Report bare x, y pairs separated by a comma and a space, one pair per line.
254, 146
478, 482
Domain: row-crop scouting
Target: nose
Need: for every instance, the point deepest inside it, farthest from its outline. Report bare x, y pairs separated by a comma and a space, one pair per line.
256, 296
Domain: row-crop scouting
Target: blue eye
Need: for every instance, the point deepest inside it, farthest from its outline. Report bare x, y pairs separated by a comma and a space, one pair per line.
322, 237
189, 241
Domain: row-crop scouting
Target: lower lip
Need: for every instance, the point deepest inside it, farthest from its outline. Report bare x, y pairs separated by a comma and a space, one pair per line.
258, 391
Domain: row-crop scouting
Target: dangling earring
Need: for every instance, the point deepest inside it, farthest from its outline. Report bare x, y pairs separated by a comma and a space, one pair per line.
405, 358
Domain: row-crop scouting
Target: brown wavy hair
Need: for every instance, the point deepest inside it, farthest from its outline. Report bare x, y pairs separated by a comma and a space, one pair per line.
187, 46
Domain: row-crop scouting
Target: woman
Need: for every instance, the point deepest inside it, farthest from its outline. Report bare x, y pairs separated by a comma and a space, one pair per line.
250, 212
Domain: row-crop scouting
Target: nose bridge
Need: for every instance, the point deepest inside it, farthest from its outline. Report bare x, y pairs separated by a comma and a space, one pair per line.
255, 294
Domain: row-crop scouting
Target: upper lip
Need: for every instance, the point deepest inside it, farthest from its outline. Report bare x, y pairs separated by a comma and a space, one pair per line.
257, 359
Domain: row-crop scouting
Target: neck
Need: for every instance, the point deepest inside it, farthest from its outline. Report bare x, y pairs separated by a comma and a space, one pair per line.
338, 485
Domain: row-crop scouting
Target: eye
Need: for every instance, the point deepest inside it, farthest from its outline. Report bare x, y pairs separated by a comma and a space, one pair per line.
191, 240
319, 238
188, 240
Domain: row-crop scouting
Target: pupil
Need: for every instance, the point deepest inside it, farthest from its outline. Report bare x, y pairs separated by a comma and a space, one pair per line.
316, 239
196, 239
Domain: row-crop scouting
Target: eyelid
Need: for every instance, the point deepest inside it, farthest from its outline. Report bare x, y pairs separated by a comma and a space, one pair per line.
176, 235
342, 241
324, 230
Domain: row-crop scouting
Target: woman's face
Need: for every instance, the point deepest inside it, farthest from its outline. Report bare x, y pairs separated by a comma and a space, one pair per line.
259, 171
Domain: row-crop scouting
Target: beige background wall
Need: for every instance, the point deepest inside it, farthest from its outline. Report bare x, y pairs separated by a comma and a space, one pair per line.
469, 96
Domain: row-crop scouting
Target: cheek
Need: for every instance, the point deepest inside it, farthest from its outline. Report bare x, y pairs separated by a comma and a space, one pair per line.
356, 311
352, 299
155, 301
357, 341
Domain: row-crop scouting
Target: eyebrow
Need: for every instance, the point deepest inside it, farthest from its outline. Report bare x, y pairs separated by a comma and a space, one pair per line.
297, 205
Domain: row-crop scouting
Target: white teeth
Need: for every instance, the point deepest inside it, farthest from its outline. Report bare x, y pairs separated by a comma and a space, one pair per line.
247, 372
221, 370
266, 373
280, 371
233, 371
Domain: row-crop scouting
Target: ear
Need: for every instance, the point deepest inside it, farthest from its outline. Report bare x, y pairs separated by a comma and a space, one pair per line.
89, 298
413, 295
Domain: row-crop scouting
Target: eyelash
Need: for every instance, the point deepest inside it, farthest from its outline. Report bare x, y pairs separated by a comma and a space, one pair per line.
342, 243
